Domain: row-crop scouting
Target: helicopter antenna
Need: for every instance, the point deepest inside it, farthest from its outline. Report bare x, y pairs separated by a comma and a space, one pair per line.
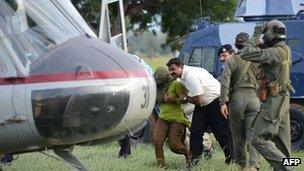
240, 2
201, 8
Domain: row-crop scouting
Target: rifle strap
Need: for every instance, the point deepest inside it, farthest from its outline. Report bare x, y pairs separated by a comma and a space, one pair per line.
242, 74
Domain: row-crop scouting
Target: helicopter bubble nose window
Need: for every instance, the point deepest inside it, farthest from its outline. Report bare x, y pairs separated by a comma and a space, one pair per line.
32, 27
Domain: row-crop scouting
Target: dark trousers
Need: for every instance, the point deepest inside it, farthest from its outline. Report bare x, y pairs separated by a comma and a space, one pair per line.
209, 116
125, 146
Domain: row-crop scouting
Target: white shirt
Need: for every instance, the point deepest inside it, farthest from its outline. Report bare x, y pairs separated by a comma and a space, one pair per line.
199, 81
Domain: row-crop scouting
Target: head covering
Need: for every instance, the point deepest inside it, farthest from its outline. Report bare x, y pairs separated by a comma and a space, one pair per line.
224, 48
242, 36
274, 32
241, 40
163, 79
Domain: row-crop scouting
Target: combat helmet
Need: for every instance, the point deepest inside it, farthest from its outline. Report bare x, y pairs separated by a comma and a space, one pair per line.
274, 30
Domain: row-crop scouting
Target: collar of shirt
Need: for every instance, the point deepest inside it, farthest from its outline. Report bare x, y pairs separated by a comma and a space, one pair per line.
184, 73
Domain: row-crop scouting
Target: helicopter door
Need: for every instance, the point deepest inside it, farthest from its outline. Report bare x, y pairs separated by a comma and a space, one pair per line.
112, 23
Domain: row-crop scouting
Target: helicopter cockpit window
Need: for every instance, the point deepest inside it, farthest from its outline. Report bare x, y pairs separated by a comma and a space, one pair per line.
203, 57
34, 26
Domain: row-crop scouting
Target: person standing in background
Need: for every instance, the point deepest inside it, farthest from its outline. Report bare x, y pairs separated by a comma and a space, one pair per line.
271, 135
239, 101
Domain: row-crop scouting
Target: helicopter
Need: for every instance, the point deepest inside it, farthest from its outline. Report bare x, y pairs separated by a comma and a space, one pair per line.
61, 85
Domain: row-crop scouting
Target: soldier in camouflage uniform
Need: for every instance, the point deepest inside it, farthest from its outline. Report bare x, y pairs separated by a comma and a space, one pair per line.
238, 91
272, 125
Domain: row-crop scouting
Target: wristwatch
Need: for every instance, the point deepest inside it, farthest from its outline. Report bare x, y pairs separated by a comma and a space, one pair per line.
185, 98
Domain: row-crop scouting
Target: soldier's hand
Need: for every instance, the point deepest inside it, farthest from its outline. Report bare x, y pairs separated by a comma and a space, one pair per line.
224, 111
258, 30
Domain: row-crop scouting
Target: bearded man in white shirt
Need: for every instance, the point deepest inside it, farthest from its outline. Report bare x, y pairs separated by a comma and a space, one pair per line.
204, 92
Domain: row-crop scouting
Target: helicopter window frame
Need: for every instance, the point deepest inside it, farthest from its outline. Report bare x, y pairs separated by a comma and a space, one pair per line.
205, 58
3, 67
112, 12
14, 65
28, 33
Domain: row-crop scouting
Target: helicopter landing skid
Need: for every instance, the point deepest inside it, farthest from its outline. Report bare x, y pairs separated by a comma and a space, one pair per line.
68, 156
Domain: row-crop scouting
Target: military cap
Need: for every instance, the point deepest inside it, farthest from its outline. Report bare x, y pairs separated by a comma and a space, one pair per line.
224, 48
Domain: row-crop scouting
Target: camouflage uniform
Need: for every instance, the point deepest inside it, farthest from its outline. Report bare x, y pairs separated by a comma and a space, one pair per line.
272, 125
238, 87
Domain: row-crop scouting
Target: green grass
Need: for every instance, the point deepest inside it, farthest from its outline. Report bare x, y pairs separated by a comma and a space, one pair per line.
104, 157
157, 61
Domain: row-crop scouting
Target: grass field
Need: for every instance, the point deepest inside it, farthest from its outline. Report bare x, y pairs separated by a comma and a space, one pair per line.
157, 61
104, 157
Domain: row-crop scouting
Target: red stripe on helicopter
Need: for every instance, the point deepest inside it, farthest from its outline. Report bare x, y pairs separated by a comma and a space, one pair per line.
94, 75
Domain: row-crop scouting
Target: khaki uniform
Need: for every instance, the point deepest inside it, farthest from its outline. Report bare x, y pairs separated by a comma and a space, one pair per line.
272, 125
238, 87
